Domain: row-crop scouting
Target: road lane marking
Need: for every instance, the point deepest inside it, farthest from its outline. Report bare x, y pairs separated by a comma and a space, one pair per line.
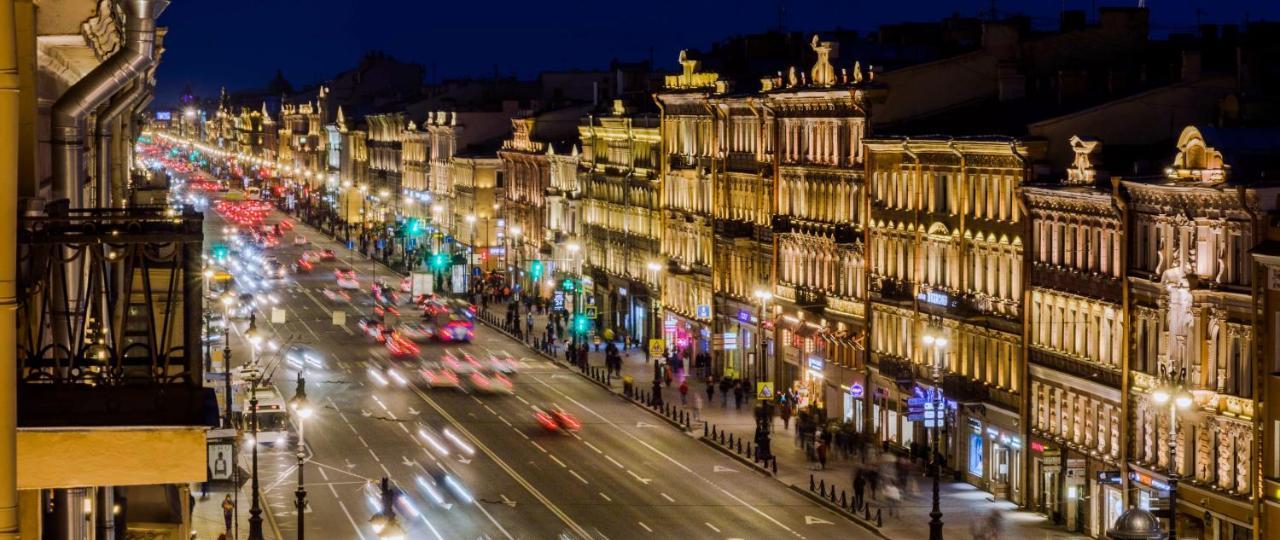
578, 476
521, 433
645, 527
495, 522
538, 446
504, 420
667, 497
557, 460
375, 456
564, 518
348, 513
713, 527
606, 497
670, 459
593, 447
366, 445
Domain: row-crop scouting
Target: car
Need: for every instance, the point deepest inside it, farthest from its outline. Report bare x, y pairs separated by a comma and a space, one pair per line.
371, 327
328, 255
399, 345
490, 383
335, 295
275, 270
347, 279
302, 266
503, 363
286, 225
437, 375
299, 240
554, 419
416, 331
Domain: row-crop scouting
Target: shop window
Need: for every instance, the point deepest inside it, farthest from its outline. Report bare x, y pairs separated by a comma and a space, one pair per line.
975, 454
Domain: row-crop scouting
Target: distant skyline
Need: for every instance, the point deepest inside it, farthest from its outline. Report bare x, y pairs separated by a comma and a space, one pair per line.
241, 43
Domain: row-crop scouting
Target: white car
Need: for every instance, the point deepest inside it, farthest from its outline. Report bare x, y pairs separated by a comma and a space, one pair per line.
347, 279
299, 240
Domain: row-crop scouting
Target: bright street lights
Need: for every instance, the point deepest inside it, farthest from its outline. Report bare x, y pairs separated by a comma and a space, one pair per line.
302, 408
1172, 392
655, 268
938, 343
384, 523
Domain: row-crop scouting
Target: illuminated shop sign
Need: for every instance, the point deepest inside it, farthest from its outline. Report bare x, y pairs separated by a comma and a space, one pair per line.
935, 298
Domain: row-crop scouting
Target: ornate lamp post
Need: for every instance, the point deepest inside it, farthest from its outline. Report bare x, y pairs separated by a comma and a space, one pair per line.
471, 253
764, 296
1173, 393
514, 240
255, 510
937, 342
655, 268
301, 408
346, 210
227, 299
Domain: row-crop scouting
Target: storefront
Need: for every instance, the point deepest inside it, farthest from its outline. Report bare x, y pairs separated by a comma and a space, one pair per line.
1075, 490
686, 337
991, 449
1201, 513
738, 349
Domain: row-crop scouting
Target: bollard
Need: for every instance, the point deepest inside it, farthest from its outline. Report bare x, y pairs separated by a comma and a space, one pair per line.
822, 488
811, 482
843, 502
704, 428
833, 493
879, 521
722, 438
866, 511
753, 456
775, 464
739, 445
713, 430
730, 440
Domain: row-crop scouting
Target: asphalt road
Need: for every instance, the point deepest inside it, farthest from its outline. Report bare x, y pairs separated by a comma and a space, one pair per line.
624, 475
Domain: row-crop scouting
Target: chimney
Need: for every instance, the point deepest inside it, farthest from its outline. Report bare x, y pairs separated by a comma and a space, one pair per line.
1190, 65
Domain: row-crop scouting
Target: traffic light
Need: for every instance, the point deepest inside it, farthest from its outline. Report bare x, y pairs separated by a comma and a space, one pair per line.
220, 252
568, 284
439, 261
413, 227
580, 324
535, 269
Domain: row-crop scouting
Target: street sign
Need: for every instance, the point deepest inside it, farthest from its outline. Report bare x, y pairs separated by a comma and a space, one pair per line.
557, 300
730, 341
590, 311
704, 311
657, 348
1109, 477
221, 456
764, 391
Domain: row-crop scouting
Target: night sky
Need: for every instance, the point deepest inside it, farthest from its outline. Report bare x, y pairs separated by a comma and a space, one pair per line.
241, 43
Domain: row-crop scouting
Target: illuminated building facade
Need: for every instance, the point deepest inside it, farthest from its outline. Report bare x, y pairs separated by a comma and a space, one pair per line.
1076, 345
820, 119
945, 237
620, 215
690, 137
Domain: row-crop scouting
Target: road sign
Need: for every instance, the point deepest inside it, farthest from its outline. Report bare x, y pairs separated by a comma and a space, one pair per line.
657, 348
730, 341
704, 311
590, 311
764, 391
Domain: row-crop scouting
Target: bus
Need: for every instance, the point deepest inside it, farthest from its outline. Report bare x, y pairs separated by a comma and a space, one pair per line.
273, 417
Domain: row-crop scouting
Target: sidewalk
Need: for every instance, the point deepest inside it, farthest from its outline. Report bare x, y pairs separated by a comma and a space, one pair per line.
962, 504
207, 520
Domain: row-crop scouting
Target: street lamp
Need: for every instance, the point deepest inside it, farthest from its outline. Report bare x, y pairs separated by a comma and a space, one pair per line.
471, 223
255, 510
764, 296
1172, 392
938, 343
655, 268
513, 238
227, 299
302, 408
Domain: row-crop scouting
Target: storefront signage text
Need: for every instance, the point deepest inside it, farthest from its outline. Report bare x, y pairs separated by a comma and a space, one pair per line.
744, 316
1109, 477
935, 298
856, 390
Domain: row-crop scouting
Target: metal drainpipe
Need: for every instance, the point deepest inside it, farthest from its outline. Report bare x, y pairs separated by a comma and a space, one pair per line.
69, 112
9, 134
107, 158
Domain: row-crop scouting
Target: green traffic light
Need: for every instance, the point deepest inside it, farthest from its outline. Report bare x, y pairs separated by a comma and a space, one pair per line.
535, 269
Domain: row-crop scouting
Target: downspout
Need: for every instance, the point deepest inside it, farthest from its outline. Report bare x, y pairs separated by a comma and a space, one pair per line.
107, 158
10, 106
1259, 374
69, 112
124, 147
1119, 199
1024, 369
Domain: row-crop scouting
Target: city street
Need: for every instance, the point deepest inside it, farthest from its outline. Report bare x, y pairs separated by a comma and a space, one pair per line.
623, 475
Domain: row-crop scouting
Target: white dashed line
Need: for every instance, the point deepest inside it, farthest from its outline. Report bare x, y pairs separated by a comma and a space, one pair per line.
668, 497
366, 445
645, 527
375, 456
606, 497
614, 461
713, 527
579, 477
593, 447
538, 446
557, 460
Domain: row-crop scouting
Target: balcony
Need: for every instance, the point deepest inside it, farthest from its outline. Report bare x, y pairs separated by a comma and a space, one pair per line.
733, 229
1073, 366
893, 290
110, 364
743, 162
1090, 284
964, 389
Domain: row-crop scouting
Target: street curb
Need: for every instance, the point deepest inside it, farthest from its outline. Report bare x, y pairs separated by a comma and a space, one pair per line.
564, 365
729, 452
840, 511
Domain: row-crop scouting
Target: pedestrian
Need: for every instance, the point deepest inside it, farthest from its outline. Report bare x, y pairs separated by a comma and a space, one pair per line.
859, 486
711, 389
529, 322
786, 416
697, 407
684, 393
892, 496
228, 506
822, 455
737, 395
915, 451
725, 385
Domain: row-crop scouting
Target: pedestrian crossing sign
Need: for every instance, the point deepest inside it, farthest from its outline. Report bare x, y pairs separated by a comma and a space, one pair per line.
590, 310
657, 348
764, 391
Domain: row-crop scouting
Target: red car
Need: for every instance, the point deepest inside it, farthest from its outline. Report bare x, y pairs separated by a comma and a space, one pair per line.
328, 255
556, 419
398, 345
